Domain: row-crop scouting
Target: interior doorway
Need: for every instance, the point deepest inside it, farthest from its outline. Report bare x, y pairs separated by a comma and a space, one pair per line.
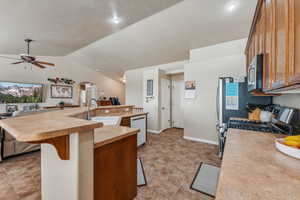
177, 99
172, 98
165, 106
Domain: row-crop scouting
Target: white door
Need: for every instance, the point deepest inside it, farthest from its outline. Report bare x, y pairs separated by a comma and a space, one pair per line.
177, 100
165, 103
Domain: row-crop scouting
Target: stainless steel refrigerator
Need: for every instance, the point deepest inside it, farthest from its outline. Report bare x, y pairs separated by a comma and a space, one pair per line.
232, 99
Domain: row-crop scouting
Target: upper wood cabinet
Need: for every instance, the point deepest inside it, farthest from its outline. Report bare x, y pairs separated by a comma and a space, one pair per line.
281, 48
275, 33
268, 62
294, 66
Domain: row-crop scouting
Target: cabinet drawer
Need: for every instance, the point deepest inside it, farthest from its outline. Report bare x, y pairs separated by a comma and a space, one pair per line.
126, 121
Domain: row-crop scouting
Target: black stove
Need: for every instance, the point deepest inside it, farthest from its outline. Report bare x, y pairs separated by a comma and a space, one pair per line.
254, 126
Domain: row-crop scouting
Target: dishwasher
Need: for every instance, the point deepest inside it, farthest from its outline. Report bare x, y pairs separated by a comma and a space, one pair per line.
140, 123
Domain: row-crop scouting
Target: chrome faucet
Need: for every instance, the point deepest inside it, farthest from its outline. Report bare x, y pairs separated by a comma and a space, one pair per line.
89, 107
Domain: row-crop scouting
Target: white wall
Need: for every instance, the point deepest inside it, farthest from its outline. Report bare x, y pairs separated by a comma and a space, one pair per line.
200, 113
64, 68
289, 100
134, 87
207, 64
134, 80
235, 47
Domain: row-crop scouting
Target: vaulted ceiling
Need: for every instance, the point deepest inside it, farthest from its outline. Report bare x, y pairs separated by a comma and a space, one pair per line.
169, 35
63, 26
148, 32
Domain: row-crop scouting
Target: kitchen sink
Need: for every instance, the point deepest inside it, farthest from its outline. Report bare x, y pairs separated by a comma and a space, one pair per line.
107, 121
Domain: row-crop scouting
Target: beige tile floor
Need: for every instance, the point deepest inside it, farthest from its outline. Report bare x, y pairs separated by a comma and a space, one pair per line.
170, 163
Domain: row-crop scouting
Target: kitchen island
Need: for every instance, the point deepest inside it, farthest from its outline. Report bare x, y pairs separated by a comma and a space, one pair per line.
253, 169
69, 148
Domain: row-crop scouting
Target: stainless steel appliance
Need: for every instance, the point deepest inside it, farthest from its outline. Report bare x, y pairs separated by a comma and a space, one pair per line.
242, 98
255, 74
285, 122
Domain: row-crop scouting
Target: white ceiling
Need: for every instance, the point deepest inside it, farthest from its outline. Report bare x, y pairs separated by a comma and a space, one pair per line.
169, 35
82, 29
63, 26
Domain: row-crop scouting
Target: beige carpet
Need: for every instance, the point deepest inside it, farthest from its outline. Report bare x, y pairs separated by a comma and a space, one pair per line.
170, 163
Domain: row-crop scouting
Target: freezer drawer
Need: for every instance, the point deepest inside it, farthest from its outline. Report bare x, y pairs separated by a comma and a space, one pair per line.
140, 123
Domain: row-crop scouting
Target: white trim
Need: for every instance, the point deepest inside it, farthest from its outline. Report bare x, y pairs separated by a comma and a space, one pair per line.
153, 131
200, 140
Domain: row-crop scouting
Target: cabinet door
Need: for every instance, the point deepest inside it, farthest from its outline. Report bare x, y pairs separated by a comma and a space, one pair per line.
294, 35
268, 54
281, 47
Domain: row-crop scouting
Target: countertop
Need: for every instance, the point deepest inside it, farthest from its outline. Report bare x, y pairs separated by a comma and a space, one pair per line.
52, 124
123, 114
109, 134
252, 169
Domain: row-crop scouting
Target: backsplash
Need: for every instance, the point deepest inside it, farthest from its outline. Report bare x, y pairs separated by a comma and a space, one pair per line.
289, 100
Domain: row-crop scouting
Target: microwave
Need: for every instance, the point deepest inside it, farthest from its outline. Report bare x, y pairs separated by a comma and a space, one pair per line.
255, 74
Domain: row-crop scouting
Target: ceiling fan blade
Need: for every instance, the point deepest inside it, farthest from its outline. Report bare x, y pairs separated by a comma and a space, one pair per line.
10, 58
45, 63
38, 65
15, 63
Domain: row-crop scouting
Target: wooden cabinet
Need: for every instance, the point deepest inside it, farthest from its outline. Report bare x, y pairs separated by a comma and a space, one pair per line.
115, 170
126, 121
294, 66
281, 42
275, 33
268, 62
104, 103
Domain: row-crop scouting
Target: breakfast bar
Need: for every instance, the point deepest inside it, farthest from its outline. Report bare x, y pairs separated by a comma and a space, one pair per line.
69, 147
252, 168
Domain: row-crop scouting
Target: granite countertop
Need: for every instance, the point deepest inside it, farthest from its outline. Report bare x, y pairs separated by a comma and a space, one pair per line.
253, 169
48, 125
109, 134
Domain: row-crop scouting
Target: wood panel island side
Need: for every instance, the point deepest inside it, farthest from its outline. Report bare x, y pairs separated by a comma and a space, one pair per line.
78, 155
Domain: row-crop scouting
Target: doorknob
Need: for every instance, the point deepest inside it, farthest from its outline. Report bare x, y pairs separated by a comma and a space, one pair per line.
163, 108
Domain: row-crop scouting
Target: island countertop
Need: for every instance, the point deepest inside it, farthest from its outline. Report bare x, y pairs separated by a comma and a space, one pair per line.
52, 124
109, 134
253, 169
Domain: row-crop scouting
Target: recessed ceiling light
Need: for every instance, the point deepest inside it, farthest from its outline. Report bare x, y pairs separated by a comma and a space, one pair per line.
116, 20
98, 70
231, 6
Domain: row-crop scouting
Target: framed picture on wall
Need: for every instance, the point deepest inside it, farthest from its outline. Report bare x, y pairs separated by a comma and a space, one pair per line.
62, 91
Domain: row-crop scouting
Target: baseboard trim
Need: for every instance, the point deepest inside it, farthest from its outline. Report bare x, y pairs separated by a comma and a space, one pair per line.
200, 140
154, 131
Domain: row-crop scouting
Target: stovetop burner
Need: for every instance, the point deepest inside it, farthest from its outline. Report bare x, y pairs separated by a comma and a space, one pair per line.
253, 126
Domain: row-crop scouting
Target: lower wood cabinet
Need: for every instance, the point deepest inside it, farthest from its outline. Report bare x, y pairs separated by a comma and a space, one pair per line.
126, 122
115, 170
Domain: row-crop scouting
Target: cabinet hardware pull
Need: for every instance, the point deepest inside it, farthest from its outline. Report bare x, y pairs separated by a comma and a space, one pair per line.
138, 118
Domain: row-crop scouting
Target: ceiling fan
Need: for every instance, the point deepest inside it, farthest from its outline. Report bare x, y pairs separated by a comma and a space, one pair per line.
27, 58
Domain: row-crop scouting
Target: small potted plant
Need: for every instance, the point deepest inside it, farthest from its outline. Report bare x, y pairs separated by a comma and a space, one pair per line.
61, 105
